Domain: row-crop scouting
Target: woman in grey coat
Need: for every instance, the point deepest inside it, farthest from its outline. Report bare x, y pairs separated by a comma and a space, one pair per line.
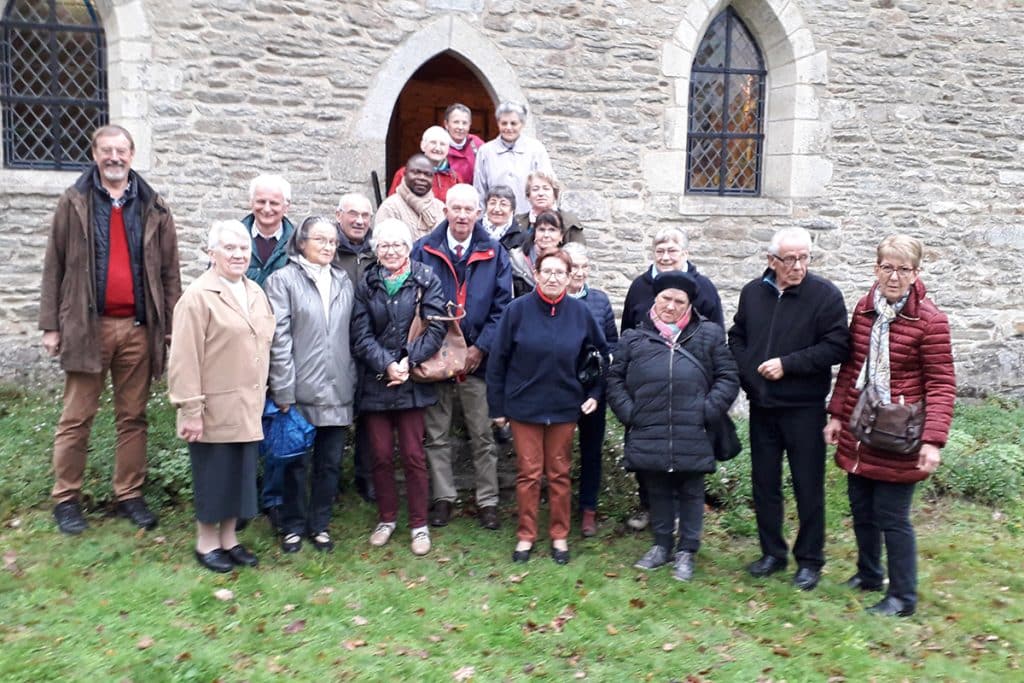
312, 369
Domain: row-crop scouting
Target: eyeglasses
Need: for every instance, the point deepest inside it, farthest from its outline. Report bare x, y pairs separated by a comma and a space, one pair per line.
668, 251
324, 241
499, 204
388, 246
791, 261
552, 274
902, 271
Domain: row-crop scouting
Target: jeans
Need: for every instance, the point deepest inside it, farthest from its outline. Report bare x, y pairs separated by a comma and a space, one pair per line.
673, 494
591, 435
881, 510
298, 517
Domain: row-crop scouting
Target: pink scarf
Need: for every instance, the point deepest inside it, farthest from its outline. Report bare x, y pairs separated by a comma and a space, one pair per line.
669, 331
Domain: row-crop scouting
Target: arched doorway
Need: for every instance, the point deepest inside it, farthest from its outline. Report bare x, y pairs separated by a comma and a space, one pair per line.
439, 82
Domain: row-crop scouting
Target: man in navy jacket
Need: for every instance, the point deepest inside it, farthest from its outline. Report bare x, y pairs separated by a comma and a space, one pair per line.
475, 272
789, 330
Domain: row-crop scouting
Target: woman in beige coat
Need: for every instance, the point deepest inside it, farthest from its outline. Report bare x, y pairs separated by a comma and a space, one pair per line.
217, 379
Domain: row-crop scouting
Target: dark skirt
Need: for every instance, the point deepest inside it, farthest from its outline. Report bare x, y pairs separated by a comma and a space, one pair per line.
224, 480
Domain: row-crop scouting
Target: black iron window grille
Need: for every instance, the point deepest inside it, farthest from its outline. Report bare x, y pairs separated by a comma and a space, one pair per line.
53, 83
725, 137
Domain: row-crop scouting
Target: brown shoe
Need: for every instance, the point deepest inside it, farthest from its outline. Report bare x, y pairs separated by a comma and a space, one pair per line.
488, 517
440, 513
588, 525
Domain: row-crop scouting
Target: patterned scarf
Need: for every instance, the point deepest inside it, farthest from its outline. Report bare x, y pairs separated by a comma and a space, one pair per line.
394, 281
669, 331
422, 206
876, 368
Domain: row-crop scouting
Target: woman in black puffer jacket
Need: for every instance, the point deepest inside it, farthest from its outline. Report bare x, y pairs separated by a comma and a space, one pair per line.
671, 377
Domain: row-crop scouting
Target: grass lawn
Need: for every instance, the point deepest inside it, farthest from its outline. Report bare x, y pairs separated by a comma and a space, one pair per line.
116, 604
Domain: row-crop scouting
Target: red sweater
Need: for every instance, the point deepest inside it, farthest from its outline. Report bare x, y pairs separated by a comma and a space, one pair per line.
463, 161
119, 299
921, 359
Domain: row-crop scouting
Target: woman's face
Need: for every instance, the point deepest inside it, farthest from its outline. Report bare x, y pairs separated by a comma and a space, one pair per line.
670, 305
669, 256
510, 126
457, 124
499, 210
546, 236
579, 273
321, 244
392, 254
231, 256
552, 277
895, 276
541, 196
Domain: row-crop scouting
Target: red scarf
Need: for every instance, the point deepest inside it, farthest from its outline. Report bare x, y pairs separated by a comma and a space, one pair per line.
551, 302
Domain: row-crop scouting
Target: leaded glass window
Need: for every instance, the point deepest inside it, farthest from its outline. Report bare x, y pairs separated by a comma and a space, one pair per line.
725, 138
53, 83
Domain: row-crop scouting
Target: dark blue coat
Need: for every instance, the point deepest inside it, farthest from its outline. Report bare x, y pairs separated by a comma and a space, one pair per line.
601, 308
640, 298
486, 288
531, 376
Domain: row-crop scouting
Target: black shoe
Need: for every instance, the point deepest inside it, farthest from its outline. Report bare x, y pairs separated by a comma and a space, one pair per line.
440, 513
216, 560
503, 434
560, 556
239, 555
241, 523
857, 582
766, 566
891, 607
488, 517
522, 555
322, 541
291, 543
273, 515
136, 510
69, 517
806, 579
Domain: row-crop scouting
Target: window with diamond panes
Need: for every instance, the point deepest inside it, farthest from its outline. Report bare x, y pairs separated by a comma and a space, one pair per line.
725, 138
53, 84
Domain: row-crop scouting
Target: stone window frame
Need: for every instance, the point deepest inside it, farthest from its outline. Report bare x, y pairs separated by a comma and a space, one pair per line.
796, 133
129, 51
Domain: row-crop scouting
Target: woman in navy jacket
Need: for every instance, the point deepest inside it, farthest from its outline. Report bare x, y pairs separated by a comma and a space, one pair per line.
532, 381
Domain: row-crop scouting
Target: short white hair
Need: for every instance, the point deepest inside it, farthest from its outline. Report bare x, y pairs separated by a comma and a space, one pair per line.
436, 133
217, 230
462, 191
349, 197
271, 181
574, 249
671, 235
790, 235
391, 229
511, 108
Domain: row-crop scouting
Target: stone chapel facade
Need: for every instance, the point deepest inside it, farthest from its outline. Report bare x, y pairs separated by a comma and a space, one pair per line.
880, 116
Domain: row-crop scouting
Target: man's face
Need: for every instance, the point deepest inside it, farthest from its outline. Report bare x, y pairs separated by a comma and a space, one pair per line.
790, 265
113, 155
457, 124
354, 219
435, 148
462, 215
419, 176
510, 126
269, 207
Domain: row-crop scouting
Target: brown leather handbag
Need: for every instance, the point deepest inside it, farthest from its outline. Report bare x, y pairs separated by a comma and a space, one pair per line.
450, 359
890, 427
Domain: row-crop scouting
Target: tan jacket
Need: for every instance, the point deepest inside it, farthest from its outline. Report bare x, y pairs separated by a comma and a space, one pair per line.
419, 223
219, 359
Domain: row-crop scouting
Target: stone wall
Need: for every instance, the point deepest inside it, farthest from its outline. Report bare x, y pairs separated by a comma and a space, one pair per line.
916, 112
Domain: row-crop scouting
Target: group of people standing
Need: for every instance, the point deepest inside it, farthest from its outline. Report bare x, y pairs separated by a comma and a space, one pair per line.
332, 318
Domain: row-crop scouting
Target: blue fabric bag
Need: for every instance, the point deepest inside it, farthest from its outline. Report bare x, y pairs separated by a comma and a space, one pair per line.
285, 435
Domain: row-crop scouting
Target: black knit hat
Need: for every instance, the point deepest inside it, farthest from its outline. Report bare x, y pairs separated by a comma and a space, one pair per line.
676, 279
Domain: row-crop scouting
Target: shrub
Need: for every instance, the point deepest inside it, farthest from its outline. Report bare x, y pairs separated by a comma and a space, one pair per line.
993, 474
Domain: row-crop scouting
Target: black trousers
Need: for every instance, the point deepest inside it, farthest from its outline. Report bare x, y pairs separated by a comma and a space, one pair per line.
673, 494
881, 510
797, 432
298, 516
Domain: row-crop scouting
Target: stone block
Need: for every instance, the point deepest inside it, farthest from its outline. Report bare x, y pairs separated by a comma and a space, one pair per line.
1011, 177
676, 61
811, 175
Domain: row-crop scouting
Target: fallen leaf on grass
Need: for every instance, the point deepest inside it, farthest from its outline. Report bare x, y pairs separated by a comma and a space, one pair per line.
145, 642
287, 608
781, 651
295, 626
612, 631
580, 675
465, 673
353, 644
567, 613
183, 657
668, 647
360, 621
637, 603
435, 639
14, 523
223, 594
11, 563
518, 578
274, 666
612, 575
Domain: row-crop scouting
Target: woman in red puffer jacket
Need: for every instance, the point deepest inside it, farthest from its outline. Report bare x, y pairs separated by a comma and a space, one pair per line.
900, 344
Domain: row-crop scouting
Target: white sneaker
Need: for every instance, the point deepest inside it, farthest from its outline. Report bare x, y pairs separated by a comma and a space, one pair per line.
639, 521
382, 534
420, 542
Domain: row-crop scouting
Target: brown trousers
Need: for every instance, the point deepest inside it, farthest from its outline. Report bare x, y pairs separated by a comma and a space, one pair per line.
543, 449
125, 354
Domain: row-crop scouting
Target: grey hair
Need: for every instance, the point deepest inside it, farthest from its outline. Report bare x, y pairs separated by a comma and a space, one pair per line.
790, 235
458, 106
436, 132
511, 108
301, 234
217, 230
271, 181
504, 192
391, 228
575, 249
463, 191
350, 197
671, 235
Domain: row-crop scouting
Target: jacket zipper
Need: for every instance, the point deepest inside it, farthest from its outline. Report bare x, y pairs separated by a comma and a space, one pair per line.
771, 325
856, 462
671, 364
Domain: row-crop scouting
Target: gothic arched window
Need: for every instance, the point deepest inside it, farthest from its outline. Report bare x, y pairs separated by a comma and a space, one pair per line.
725, 137
53, 83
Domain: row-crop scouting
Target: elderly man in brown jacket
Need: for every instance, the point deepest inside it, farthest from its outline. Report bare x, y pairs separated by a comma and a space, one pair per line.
110, 282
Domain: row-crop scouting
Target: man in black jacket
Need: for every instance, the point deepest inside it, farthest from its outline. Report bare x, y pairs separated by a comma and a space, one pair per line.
789, 330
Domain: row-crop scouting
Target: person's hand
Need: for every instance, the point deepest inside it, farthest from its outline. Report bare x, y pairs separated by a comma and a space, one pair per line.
771, 369
396, 374
500, 422
474, 357
283, 407
589, 406
191, 428
51, 342
928, 458
832, 430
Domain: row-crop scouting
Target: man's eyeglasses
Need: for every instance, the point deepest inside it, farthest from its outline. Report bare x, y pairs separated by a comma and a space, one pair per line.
902, 271
791, 261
